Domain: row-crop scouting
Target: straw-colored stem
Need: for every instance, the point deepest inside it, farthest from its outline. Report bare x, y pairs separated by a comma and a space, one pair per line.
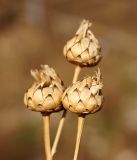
46, 121
79, 133
61, 123
76, 73
58, 134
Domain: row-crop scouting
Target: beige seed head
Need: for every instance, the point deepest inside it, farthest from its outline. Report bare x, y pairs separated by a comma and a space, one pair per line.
46, 93
83, 49
84, 97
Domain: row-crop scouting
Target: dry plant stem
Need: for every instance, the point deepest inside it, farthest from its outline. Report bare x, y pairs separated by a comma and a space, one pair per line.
46, 121
76, 73
61, 123
58, 134
81, 119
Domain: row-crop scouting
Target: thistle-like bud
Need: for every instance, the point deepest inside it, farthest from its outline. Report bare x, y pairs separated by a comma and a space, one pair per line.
84, 97
83, 49
46, 93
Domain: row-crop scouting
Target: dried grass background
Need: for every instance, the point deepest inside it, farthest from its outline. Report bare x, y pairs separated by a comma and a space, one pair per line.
33, 32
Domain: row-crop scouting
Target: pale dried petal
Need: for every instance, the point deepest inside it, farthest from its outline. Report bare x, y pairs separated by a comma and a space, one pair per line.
74, 98
83, 84
73, 88
30, 103
98, 57
72, 109
49, 103
85, 56
46, 74
37, 97
66, 102
69, 55
85, 95
57, 95
92, 103
94, 89
80, 107
89, 81
70, 43
65, 92
46, 91
58, 85
84, 44
31, 91
76, 50
35, 74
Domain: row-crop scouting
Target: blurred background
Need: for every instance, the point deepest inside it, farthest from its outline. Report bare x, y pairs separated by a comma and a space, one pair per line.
34, 32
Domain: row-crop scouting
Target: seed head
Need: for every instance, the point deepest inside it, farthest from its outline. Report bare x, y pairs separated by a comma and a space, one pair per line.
46, 92
83, 49
84, 97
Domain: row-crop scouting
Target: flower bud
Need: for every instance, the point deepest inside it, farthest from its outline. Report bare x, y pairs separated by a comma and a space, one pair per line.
84, 97
83, 49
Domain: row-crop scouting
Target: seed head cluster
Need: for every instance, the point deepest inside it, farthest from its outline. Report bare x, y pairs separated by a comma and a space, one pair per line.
83, 97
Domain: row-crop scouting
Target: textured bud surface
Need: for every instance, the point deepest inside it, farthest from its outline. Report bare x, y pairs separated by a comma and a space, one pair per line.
84, 97
46, 93
83, 49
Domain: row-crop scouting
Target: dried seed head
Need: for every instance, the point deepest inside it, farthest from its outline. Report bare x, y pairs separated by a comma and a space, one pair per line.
46, 93
83, 49
84, 97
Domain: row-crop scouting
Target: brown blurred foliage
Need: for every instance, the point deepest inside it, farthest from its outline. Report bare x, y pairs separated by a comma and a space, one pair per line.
33, 32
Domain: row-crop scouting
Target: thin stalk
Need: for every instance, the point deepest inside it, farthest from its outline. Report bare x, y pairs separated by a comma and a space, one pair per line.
81, 120
46, 122
61, 123
58, 134
76, 73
